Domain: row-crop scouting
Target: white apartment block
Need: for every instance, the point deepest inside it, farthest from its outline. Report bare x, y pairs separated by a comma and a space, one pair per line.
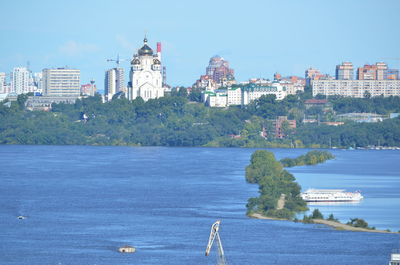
356, 88
217, 99
3, 83
292, 88
234, 96
114, 82
61, 82
242, 95
252, 92
223, 97
20, 80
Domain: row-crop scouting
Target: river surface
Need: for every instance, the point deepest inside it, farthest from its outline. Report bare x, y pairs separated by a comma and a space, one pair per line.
81, 203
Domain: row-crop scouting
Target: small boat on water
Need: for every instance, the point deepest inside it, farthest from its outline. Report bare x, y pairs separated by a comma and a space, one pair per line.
328, 195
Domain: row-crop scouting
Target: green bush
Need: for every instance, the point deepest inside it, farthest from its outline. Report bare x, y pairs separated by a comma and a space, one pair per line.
317, 214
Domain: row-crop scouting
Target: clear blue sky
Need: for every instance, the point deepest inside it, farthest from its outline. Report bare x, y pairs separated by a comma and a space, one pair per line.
258, 38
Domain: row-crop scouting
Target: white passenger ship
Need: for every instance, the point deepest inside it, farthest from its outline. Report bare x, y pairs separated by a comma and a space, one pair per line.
395, 258
314, 195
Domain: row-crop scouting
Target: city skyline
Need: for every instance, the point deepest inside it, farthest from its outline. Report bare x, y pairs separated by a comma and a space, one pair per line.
286, 37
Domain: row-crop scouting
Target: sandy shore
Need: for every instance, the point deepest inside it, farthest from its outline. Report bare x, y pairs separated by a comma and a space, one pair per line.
336, 225
260, 216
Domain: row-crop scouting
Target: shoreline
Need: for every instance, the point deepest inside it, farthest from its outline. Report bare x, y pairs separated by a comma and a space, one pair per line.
332, 224
390, 148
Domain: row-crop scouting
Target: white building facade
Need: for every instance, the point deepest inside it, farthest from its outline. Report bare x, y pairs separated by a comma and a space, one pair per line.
356, 88
21, 80
145, 75
242, 95
3, 83
114, 82
61, 82
252, 92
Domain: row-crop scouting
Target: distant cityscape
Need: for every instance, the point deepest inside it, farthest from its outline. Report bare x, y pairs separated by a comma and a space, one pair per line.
218, 86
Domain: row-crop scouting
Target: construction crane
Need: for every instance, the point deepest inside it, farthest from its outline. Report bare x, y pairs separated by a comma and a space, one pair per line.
117, 60
215, 235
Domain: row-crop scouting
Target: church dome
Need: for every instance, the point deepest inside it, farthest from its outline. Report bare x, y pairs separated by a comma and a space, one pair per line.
135, 61
145, 50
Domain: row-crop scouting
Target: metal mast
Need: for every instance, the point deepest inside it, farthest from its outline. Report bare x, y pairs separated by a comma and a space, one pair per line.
215, 235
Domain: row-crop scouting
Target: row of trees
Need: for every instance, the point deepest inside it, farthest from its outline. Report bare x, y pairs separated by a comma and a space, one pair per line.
167, 121
380, 105
176, 121
355, 222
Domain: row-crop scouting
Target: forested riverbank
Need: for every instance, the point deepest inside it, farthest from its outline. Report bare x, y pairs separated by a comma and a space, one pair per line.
176, 121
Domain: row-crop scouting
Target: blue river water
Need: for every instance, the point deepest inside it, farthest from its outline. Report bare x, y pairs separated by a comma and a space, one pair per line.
83, 202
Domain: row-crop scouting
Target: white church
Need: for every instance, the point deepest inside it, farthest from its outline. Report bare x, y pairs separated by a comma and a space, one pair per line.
145, 75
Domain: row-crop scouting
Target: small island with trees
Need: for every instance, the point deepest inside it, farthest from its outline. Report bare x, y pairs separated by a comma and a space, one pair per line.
280, 198
311, 158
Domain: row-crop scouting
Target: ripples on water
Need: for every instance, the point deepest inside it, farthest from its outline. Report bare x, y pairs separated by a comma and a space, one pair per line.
82, 203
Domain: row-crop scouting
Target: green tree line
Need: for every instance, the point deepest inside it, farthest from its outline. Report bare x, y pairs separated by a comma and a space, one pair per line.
178, 120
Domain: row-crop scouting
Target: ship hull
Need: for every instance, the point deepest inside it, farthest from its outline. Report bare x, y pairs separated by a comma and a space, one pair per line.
329, 196
332, 200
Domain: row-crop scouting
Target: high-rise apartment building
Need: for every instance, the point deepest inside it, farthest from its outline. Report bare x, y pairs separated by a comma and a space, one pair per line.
371, 80
345, 71
218, 69
381, 69
218, 74
372, 72
114, 82
356, 88
392, 74
61, 82
312, 74
3, 83
20, 80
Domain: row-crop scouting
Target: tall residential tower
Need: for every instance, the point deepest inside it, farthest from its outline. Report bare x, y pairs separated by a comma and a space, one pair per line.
114, 82
20, 80
345, 71
3, 83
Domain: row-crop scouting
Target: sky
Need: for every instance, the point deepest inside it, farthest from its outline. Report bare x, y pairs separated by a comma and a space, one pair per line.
257, 37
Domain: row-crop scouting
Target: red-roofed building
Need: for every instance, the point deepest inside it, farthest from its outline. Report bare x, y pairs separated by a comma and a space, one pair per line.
279, 126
